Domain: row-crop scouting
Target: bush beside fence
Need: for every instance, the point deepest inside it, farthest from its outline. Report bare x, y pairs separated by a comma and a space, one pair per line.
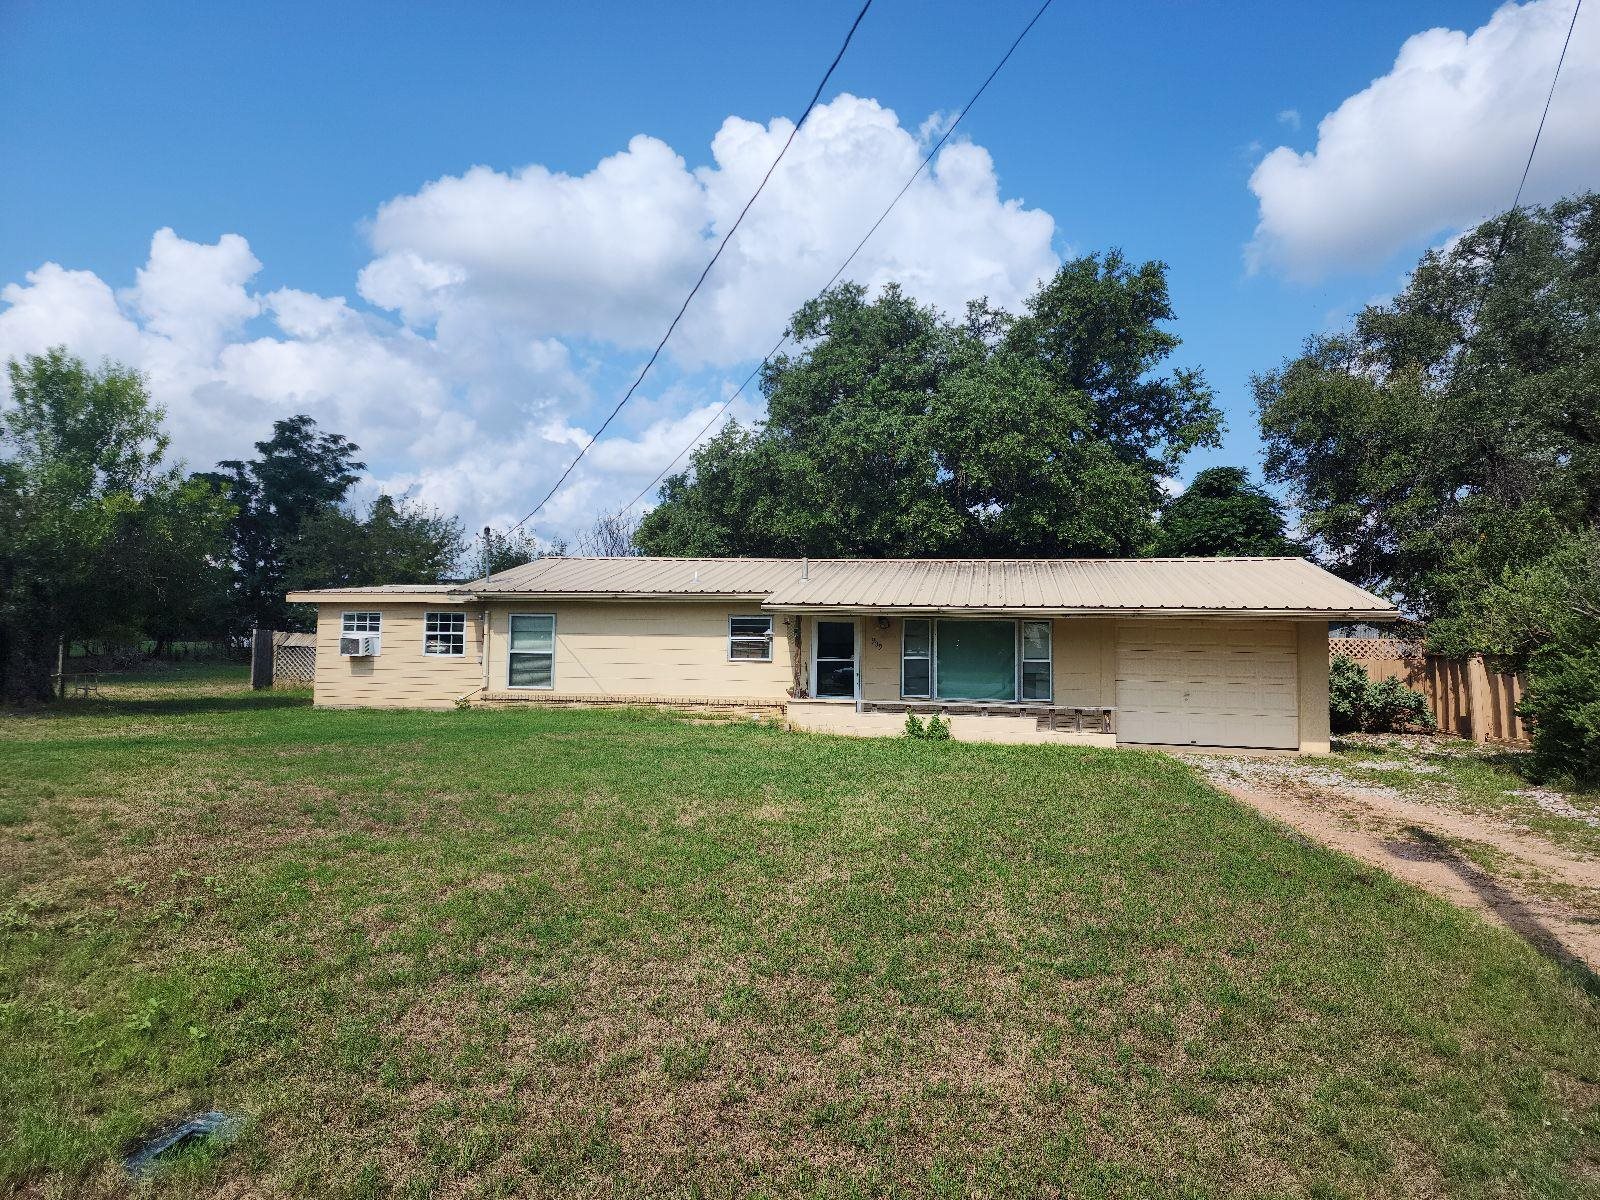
1468, 697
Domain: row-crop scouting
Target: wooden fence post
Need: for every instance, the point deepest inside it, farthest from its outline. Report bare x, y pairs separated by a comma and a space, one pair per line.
261, 658
1480, 705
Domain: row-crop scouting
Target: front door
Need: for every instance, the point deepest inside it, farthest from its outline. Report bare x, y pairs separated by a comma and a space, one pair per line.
835, 660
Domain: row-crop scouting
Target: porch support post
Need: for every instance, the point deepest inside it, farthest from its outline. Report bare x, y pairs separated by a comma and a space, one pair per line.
797, 655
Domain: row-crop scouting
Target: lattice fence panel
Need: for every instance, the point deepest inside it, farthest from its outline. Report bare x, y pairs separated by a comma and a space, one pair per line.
294, 664
1367, 649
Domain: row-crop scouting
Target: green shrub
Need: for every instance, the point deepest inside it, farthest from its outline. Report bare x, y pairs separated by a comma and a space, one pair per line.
1563, 703
1356, 702
936, 729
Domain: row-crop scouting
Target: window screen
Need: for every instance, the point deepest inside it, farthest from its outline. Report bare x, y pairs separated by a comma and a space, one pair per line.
750, 638
916, 659
1036, 660
444, 633
533, 651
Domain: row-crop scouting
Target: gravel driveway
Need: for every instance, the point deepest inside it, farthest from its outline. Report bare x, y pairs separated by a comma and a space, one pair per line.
1449, 817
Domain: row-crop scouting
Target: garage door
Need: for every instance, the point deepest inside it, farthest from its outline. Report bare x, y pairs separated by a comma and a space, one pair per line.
1207, 683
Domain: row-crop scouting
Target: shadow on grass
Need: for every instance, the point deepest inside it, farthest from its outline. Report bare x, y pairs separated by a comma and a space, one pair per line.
1518, 917
156, 706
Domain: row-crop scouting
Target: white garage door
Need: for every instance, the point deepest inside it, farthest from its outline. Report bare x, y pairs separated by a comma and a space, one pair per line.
1207, 683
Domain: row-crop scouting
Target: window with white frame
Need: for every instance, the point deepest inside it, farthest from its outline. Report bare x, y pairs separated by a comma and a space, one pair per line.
361, 622
1036, 660
444, 634
750, 638
916, 659
532, 651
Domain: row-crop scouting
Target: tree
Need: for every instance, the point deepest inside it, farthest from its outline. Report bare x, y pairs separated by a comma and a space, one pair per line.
1456, 428
299, 474
498, 551
100, 539
896, 431
394, 542
1221, 513
611, 536
1446, 449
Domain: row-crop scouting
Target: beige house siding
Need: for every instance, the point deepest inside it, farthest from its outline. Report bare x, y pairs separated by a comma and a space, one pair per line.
632, 648
401, 676
679, 650
1084, 652
1312, 663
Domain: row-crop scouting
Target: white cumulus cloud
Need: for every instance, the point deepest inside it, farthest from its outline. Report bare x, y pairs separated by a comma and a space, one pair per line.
466, 365
610, 254
1436, 144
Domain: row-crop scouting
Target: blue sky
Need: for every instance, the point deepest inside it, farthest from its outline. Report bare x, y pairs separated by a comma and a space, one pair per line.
304, 153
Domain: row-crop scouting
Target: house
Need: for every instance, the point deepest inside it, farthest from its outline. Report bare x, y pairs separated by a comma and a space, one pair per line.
1186, 652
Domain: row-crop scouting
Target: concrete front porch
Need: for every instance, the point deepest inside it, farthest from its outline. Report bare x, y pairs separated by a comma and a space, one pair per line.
1022, 724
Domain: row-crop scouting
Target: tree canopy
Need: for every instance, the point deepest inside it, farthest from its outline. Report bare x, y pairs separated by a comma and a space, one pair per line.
1455, 429
395, 541
299, 473
1446, 448
1222, 513
99, 536
895, 430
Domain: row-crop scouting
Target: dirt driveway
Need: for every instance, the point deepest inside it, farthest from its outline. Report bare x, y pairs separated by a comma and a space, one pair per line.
1447, 817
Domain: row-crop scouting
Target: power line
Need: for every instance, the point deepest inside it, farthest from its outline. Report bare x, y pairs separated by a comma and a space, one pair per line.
912, 178
1537, 133
721, 246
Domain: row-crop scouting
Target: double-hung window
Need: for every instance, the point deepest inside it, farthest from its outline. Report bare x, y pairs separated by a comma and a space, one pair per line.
361, 622
750, 638
1036, 660
532, 651
444, 634
916, 658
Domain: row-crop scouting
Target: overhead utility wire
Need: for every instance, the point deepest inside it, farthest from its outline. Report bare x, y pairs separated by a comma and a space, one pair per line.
721, 246
1516, 201
1537, 133
922, 166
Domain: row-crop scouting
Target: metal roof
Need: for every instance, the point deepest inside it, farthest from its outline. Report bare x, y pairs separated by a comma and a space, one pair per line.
641, 577
1087, 585
1285, 586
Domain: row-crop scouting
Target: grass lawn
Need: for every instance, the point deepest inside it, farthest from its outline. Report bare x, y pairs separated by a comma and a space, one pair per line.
582, 952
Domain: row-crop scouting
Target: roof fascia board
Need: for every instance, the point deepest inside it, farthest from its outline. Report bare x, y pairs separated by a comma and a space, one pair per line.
1309, 614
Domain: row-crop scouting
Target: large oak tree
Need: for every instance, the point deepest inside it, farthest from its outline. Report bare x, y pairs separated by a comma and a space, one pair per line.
895, 430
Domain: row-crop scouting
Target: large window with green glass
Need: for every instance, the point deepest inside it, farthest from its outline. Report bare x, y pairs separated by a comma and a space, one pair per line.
975, 660
532, 651
961, 659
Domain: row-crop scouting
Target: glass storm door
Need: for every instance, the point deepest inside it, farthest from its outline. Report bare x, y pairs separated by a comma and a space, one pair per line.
836, 659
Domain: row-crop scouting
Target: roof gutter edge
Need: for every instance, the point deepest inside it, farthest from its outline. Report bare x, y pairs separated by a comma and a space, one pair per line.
1306, 614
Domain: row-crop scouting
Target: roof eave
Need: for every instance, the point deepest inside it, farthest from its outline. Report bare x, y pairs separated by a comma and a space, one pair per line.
338, 595
713, 597
1306, 614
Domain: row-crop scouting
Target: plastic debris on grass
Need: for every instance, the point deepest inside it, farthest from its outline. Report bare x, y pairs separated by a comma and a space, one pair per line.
143, 1160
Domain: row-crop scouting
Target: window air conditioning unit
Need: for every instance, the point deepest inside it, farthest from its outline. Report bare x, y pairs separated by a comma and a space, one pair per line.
359, 645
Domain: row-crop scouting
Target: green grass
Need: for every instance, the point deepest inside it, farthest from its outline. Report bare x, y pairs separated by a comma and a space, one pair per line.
582, 952
1486, 781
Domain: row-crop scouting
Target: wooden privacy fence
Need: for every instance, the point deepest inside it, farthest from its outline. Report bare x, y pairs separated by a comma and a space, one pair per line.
1468, 697
279, 657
